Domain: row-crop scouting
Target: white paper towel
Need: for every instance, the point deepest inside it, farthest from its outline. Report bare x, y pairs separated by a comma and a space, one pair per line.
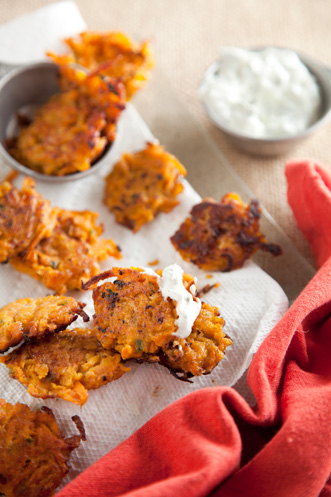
27, 38
250, 301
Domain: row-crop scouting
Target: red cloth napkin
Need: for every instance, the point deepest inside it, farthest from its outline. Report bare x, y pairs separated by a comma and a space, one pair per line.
309, 185
211, 442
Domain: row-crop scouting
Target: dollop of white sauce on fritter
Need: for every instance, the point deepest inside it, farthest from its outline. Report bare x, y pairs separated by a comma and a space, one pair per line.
171, 285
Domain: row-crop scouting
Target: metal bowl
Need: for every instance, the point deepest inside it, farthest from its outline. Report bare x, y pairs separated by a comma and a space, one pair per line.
27, 88
276, 146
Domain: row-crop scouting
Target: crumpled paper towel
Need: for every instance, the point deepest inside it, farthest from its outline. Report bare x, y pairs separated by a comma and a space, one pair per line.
250, 301
26, 38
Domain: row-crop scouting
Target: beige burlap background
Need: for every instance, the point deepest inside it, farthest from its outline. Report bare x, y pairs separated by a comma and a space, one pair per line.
187, 36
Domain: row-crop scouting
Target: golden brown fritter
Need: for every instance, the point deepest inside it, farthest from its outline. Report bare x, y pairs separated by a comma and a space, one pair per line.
33, 318
133, 318
222, 236
25, 218
65, 365
60, 248
143, 184
70, 254
200, 352
113, 54
34, 453
103, 94
72, 129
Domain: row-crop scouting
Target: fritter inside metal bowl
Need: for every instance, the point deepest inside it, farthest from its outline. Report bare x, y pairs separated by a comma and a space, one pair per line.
73, 128
143, 184
133, 318
221, 236
34, 452
114, 54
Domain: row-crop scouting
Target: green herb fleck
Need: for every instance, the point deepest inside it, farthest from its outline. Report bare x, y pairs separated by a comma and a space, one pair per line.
139, 345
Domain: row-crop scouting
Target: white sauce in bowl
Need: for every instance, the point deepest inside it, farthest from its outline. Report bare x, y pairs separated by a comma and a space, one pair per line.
268, 93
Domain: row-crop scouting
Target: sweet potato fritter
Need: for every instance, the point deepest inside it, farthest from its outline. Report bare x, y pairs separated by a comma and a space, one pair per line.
65, 365
113, 54
203, 349
34, 453
72, 129
70, 254
222, 236
25, 218
33, 318
68, 250
143, 184
133, 318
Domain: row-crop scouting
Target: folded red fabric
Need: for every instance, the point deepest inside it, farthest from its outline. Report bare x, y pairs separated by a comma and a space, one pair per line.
212, 442
309, 195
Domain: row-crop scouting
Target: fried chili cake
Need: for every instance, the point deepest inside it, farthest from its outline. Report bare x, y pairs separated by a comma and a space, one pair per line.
114, 54
222, 236
72, 129
68, 250
64, 365
33, 318
143, 184
34, 452
133, 318
25, 218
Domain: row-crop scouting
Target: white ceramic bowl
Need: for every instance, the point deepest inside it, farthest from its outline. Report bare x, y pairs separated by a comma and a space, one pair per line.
276, 146
31, 86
